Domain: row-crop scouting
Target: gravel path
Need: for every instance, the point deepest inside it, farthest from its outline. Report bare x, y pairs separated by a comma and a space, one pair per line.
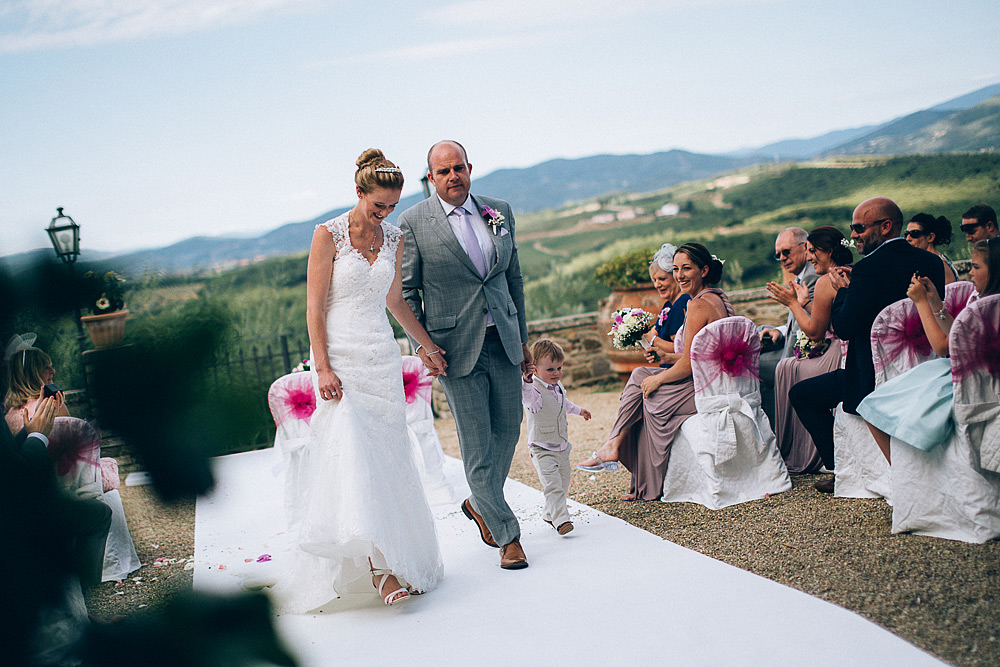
938, 594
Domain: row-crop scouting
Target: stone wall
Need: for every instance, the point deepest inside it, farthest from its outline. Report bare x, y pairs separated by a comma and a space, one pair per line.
580, 336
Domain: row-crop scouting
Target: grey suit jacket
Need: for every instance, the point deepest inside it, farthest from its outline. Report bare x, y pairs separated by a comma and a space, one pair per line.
446, 292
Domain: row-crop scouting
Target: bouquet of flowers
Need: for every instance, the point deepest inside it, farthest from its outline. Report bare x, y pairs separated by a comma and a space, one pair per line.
304, 365
628, 326
807, 348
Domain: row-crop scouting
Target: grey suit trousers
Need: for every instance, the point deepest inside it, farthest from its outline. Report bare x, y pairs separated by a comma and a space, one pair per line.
486, 404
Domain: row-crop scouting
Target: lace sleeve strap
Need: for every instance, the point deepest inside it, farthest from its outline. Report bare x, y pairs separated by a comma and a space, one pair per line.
338, 229
392, 236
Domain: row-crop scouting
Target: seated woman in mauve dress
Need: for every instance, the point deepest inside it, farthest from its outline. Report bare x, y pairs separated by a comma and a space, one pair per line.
816, 352
656, 401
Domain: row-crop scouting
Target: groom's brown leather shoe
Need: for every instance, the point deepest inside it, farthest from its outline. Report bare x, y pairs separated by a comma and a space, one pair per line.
484, 531
512, 556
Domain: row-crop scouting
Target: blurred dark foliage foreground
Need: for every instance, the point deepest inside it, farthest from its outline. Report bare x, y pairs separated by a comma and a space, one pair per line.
152, 394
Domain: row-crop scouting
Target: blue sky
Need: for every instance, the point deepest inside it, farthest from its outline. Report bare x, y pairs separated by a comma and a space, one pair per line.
151, 121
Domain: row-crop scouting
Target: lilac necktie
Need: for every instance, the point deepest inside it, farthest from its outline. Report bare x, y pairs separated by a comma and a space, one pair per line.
471, 242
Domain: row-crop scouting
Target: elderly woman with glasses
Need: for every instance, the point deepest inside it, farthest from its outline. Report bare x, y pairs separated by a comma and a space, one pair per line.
926, 232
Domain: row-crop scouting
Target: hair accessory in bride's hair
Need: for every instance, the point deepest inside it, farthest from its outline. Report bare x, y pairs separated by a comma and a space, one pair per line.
388, 170
19, 344
720, 261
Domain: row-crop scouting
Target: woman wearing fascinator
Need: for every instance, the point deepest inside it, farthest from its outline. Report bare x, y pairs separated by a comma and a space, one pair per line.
29, 370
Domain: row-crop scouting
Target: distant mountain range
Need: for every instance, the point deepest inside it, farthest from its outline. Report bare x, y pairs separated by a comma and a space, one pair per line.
967, 123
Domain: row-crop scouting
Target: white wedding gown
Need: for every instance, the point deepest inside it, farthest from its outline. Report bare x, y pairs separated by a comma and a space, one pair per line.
362, 494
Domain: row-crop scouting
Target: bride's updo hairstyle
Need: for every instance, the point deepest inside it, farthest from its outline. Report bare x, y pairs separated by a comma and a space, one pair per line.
830, 239
375, 171
701, 257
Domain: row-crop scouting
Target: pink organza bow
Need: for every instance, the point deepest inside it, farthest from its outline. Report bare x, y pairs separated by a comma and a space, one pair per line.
728, 346
292, 396
416, 382
904, 333
735, 356
974, 343
73, 441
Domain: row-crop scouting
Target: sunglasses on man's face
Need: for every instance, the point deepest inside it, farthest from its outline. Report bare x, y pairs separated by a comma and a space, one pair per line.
859, 227
915, 233
970, 228
785, 252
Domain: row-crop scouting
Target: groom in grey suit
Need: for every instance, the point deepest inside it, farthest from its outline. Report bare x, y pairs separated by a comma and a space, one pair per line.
462, 279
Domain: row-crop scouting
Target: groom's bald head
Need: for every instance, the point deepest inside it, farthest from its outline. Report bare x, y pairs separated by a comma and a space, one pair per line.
446, 142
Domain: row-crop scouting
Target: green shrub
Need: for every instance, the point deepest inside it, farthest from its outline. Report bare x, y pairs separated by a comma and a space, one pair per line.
626, 270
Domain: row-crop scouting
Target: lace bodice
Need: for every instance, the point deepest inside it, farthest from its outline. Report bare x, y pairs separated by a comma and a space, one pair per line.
357, 288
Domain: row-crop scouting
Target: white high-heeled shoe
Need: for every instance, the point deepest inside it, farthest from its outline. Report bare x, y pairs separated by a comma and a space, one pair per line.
393, 596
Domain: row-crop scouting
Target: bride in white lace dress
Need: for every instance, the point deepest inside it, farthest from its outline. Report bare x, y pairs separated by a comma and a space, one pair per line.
367, 521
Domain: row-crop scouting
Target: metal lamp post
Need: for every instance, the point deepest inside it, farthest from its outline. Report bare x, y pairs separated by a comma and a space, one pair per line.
65, 236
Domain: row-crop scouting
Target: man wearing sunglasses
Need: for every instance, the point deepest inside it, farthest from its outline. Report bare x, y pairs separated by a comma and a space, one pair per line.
979, 223
880, 278
776, 343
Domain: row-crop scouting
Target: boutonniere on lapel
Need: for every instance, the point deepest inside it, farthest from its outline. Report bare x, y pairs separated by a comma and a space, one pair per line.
494, 219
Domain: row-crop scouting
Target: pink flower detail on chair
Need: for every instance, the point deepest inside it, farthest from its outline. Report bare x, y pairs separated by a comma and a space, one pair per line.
301, 404
736, 357
292, 396
975, 341
73, 441
898, 331
416, 382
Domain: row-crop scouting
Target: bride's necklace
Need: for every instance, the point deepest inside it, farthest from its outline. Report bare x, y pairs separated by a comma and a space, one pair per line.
371, 245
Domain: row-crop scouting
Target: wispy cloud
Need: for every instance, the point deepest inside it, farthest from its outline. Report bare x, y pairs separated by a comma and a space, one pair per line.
434, 50
524, 13
33, 25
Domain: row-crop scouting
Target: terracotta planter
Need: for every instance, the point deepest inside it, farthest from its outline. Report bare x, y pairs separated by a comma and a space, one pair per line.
106, 329
641, 296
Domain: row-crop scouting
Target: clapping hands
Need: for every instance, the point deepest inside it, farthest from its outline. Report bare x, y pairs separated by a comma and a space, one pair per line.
840, 276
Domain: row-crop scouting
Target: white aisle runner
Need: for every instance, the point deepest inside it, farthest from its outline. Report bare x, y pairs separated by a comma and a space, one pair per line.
607, 594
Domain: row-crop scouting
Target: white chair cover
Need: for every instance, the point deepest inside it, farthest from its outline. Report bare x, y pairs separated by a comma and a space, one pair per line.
953, 490
75, 447
417, 388
292, 400
726, 454
898, 344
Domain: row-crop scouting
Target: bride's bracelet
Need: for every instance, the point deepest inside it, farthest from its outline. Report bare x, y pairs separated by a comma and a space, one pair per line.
429, 352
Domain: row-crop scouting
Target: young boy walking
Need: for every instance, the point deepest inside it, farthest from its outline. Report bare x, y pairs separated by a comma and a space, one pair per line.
546, 407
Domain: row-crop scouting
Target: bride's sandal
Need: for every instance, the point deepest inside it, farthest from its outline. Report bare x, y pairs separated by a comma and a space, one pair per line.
379, 577
600, 465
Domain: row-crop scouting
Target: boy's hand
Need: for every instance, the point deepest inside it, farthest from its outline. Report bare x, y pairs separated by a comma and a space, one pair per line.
585, 414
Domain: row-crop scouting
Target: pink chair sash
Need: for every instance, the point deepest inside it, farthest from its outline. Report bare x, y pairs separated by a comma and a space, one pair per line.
897, 332
974, 343
292, 397
73, 441
416, 382
956, 296
731, 346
